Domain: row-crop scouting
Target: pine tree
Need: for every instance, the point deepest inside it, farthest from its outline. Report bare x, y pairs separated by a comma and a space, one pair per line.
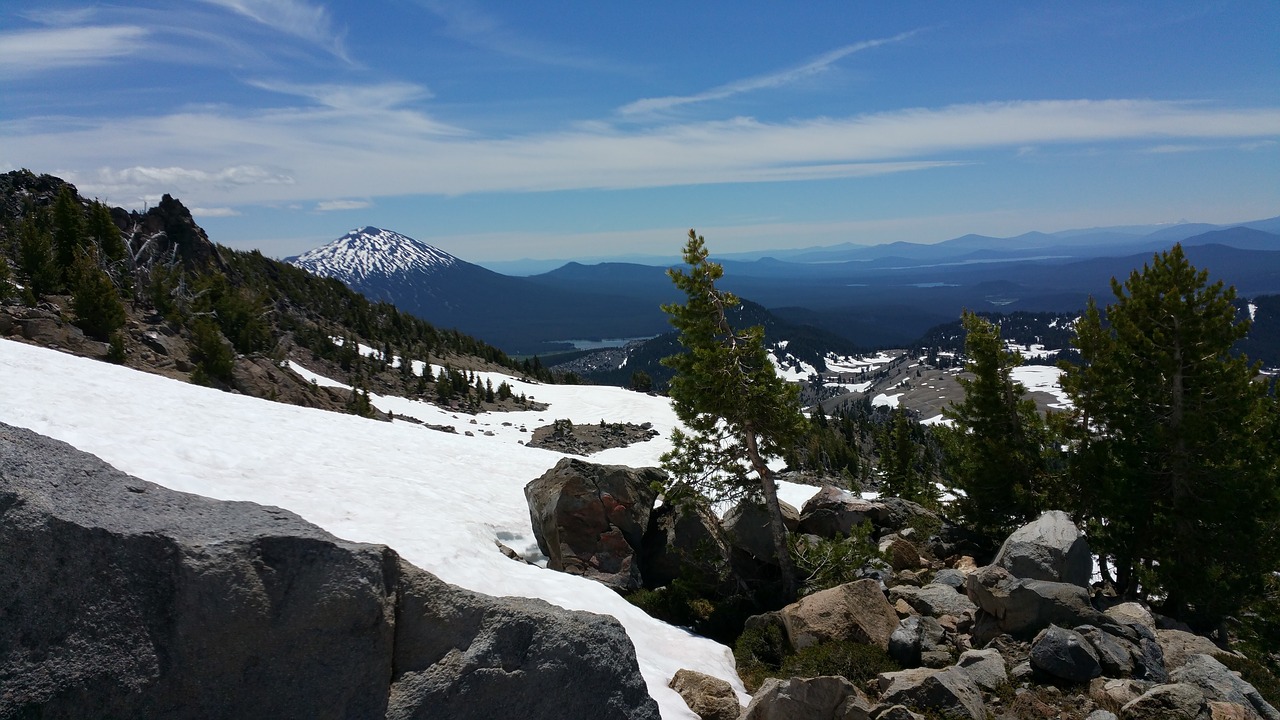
94, 299
68, 231
996, 453
738, 411
900, 460
6, 281
1176, 448
103, 231
35, 250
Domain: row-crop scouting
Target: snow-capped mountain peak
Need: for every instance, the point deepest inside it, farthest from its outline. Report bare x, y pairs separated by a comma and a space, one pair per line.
370, 252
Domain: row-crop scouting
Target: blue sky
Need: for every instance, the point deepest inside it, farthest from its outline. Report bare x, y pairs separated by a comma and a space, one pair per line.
500, 130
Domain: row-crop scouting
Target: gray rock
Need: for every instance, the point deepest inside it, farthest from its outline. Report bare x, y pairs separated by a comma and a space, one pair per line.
986, 667
817, 698
833, 512
1101, 715
1048, 548
590, 519
1024, 607
914, 636
950, 692
746, 525
710, 698
1217, 682
1167, 702
950, 577
933, 599
1065, 654
1116, 656
125, 599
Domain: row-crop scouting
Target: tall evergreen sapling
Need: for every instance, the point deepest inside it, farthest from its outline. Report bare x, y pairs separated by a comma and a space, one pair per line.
997, 450
1177, 445
739, 412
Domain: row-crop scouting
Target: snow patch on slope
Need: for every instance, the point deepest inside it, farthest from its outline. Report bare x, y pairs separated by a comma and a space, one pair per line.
440, 499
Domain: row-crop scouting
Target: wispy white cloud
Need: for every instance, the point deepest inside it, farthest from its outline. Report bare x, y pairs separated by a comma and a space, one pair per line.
219, 157
335, 205
30, 51
293, 17
216, 212
380, 96
59, 17
817, 65
468, 22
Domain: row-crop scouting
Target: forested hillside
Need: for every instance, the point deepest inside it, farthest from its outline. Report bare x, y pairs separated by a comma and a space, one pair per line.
151, 291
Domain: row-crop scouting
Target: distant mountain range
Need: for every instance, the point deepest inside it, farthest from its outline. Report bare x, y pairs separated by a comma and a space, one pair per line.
516, 314
871, 297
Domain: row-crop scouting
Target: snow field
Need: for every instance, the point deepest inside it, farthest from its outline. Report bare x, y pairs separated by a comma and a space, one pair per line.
439, 499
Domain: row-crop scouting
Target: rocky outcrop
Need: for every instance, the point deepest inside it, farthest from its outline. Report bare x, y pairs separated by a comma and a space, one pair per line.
1218, 683
591, 519
121, 598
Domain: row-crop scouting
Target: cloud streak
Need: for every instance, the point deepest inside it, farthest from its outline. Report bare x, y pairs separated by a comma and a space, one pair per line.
291, 17
31, 51
818, 65
336, 205
220, 158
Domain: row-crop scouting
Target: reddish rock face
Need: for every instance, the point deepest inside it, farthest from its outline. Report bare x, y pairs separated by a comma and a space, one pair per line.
590, 519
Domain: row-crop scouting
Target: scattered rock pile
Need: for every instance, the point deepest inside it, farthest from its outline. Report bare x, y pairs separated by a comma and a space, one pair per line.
566, 437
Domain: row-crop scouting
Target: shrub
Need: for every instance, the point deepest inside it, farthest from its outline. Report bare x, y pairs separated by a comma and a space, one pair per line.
823, 563
857, 662
758, 653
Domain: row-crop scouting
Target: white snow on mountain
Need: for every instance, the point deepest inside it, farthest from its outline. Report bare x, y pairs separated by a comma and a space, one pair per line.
440, 499
373, 252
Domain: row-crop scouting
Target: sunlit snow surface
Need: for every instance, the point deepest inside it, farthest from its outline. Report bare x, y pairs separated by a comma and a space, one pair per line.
440, 499
1042, 378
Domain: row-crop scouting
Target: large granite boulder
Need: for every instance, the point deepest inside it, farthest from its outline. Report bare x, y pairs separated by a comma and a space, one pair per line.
591, 519
122, 598
853, 611
1048, 548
